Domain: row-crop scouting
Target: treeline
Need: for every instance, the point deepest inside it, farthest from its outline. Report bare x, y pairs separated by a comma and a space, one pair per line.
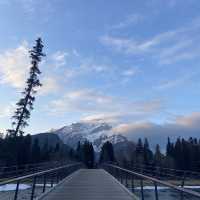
184, 154
181, 154
21, 150
85, 153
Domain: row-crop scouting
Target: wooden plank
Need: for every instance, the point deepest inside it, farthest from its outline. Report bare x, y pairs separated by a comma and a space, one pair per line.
89, 184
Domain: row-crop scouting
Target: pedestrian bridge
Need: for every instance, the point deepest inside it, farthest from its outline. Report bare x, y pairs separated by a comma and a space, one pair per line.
89, 184
108, 182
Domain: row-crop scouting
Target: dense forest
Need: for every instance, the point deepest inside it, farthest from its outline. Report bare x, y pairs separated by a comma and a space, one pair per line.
181, 154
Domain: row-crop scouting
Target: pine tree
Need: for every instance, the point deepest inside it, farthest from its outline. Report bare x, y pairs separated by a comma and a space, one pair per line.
79, 152
36, 152
148, 155
88, 154
139, 152
25, 104
46, 151
158, 157
178, 154
107, 153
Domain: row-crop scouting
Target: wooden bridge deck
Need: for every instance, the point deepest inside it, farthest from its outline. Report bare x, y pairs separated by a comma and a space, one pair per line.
89, 184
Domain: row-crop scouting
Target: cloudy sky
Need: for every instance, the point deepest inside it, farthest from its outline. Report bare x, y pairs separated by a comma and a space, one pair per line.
133, 63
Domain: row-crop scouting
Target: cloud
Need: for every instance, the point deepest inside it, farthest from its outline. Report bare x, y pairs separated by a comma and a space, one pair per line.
7, 111
14, 66
166, 47
175, 82
35, 8
59, 58
109, 118
91, 104
130, 72
49, 85
182, 126
192, 120
129, 20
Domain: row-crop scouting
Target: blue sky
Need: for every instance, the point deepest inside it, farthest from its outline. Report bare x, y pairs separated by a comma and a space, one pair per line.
127, 62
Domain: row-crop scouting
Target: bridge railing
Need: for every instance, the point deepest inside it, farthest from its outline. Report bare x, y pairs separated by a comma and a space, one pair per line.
37, 183
21, 170
130, 179
163, 172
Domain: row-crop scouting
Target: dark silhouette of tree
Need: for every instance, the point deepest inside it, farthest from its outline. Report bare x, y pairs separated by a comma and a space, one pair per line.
178, 154
107, 153
79, 152
46, 150
148, 154
139, 152
158, 156
25, 104
169, 148
88, 154
24, 150
36, 152
57, 148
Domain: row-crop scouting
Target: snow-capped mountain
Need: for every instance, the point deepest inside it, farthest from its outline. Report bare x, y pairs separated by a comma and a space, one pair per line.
95, 132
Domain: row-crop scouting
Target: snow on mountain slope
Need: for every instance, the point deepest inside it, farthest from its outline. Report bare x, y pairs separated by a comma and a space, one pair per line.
95, 132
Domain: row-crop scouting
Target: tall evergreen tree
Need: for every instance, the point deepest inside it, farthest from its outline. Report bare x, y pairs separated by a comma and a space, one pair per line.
25, 104
79, 151
107, 153
158, 157
139, 152
36, 152
88, 154
148, 155
178, 154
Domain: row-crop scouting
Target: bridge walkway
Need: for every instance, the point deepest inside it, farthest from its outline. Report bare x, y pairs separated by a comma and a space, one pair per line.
89, 184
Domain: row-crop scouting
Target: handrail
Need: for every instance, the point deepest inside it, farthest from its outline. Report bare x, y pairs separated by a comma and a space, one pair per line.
17, 170
36, 174
166, 168
44, 176
154, 180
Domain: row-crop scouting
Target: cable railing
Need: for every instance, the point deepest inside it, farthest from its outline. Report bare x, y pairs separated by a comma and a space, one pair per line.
21, 170
168, 171
37, 183
136, 182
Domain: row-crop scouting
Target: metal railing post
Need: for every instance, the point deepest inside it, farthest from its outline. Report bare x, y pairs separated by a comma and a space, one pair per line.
33, 187
52, 177
182, 185
132, 184
16, 190
57, 177
126, 179
142, 188
44, 185
121, 177
156, 191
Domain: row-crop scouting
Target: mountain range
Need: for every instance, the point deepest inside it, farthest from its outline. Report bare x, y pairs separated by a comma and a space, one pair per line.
95, 132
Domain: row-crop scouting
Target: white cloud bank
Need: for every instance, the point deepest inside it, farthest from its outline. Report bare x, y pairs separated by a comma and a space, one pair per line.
14, 66
183, 126
94, 105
